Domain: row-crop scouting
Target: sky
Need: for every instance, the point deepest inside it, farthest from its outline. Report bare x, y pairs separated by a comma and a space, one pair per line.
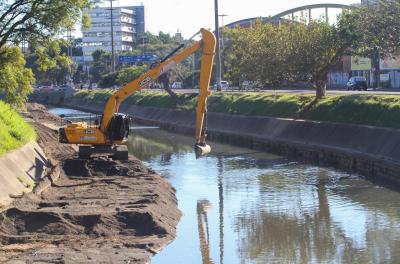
188, 16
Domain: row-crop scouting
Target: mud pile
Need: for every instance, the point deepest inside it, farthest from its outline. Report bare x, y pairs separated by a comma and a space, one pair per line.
98, 211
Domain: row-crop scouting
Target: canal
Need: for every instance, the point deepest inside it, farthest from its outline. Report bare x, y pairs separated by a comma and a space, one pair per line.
244, 206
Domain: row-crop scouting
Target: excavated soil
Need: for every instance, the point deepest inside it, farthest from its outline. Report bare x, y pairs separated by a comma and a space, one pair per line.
97, 211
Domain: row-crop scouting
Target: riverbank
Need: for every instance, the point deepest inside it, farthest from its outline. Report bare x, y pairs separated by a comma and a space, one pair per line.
20, 170
96, 211
22, 161
372, 110
367, 150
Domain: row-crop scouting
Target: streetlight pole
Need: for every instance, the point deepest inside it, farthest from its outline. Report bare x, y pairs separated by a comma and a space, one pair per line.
222, 43
143, 44
112, 37
217, 51
222, 26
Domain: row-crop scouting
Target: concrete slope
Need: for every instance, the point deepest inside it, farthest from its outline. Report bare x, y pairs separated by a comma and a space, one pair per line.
20, 170
371, 151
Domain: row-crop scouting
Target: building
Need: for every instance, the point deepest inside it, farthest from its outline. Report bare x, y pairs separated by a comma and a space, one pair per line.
389, 67
369, 2
139, 18
128, 24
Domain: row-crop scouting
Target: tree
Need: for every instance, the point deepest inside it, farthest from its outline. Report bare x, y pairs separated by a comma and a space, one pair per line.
159, 45
297, 52
150, 38
15, 79
129, 74
100, 65
108, 80
34, 21
49, 63
256, 54
164, 37
291, 52
377, 27
311, 51
373, 31
37, 20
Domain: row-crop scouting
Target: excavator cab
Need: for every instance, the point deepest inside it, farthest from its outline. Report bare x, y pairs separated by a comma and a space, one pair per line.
91, 140
118, 129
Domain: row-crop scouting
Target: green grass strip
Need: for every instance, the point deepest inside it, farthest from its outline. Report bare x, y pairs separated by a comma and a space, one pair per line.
373, 110
14, 131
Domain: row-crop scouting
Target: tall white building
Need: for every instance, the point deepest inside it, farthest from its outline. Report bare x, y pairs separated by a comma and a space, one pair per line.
128, 22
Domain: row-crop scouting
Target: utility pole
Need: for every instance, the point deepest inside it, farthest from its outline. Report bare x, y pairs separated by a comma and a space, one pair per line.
69, 54
112, 37
24, 47
218, 55
143, 44
69, 41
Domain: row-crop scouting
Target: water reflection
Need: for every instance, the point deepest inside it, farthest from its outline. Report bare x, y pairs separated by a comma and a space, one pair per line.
204, 234
269, 209
221, 207
316, 226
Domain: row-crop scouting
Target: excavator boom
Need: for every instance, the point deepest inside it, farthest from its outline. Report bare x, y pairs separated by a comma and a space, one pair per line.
113, 128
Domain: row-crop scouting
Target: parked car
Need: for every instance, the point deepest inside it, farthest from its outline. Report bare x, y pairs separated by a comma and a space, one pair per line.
176, 85
224, 85
247, 85
357, 83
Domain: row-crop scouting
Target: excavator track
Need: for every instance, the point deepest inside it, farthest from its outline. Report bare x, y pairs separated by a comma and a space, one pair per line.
115, 152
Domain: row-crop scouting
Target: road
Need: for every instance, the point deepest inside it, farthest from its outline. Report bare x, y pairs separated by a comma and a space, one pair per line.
298, 91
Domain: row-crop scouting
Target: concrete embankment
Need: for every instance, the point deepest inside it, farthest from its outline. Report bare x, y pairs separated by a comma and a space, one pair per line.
20, 171
87, 211
370, 151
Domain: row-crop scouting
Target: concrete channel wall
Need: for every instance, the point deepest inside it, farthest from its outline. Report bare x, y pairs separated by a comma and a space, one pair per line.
371, 151
20, 171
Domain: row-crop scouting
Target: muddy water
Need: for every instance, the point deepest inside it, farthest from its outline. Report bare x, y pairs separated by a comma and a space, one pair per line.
244, 206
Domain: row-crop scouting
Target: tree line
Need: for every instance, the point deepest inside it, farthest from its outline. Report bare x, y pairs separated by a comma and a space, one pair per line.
41, 23
34, 22
294, 52
158, 45
264, 53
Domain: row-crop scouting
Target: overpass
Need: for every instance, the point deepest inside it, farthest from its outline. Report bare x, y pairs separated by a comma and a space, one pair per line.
290, 14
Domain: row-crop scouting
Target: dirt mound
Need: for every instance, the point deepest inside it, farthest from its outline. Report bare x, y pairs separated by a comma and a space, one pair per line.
40, 113
98, 211
15, 222
102, 166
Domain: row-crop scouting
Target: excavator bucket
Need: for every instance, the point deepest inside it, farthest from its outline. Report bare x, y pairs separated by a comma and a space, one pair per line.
201, 150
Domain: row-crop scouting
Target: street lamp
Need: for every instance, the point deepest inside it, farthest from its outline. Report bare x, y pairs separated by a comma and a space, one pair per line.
143, 44
222, 26
112, 37
222, 42
217, 51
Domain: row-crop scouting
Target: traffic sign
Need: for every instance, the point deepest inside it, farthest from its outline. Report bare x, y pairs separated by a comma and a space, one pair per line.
137, 58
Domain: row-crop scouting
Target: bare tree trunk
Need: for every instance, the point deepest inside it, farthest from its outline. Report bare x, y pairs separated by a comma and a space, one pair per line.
320, 89
377, 72
170, 92
164, 79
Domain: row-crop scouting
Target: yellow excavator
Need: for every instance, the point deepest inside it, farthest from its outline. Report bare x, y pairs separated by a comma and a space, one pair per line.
110, 135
